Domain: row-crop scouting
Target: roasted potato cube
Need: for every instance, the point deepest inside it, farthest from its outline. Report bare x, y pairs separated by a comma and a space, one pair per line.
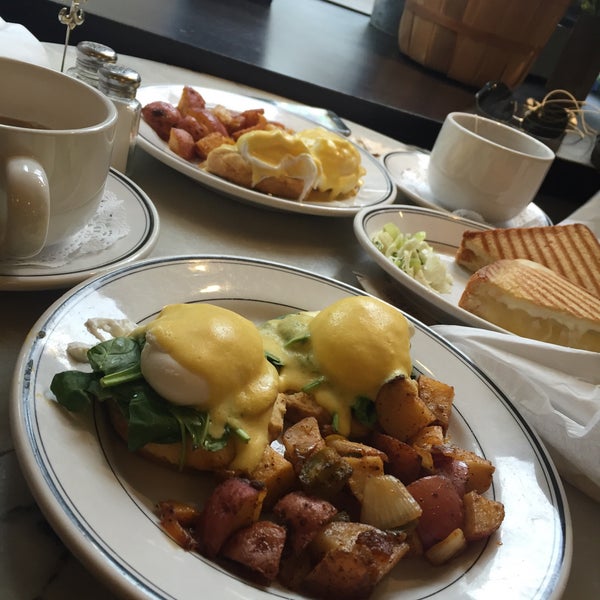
438, 397
179, 520
353, 557
482, 516
480, 470
345, 447
301, 405
429, 436
208, 119
341, 573
192, 126
338, 535
276, 421
259, 125
182, 143
404, 462
232, 120
190, 100
400, 411
301, 440
363, 468
277, 475
442, 508
304, 516
233, 504
209, 142
257, 548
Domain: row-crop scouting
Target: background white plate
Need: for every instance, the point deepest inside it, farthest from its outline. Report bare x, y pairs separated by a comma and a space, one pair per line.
444, 233
100, 498
143, 220
377, 187
408, 169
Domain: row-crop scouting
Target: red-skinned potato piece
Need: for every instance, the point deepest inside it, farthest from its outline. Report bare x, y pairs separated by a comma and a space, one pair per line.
208, 119
233, 120
178, 520
182, 143
235, 503
257, 548
304, 516
189, 100
400, 411
191, 125
403, 461
455, 470
443, 510
161, 116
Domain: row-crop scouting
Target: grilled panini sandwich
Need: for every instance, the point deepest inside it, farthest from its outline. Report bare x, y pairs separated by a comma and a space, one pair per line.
569, 250
528, 299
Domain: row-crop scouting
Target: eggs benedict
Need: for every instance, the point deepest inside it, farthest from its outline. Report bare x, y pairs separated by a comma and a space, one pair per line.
198, 386
291, 165
191, 387
341, 354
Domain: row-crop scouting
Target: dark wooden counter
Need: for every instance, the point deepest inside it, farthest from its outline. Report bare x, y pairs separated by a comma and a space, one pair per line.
309, 50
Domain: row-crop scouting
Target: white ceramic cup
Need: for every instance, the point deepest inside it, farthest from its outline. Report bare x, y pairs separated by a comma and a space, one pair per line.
487, 167
52, 178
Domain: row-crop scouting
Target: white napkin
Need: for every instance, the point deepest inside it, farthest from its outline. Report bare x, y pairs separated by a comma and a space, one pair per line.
556, 389
18, 42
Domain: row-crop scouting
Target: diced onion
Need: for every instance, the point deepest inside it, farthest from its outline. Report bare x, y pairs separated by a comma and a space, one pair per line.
387, 504
448, 548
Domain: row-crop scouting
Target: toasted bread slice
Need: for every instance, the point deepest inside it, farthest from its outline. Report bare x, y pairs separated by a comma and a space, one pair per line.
533, 301
226, 162
569, 250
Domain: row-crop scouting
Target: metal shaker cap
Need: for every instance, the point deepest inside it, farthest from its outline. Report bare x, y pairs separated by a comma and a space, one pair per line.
91, 55
118, 80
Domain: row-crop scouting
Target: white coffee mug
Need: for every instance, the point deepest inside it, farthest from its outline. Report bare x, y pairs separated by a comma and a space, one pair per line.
487, 167
56, 138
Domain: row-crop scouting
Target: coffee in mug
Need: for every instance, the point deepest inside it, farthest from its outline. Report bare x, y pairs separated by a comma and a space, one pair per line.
56, 138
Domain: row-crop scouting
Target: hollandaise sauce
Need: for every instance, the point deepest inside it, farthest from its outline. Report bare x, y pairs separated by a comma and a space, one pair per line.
326, 163
346, 351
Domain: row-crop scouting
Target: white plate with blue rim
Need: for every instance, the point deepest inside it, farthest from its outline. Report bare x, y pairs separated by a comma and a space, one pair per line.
109, 523
377, 187
408, 170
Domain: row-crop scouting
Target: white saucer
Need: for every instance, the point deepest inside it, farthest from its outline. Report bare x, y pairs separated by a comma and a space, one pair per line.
142, 218
408, 169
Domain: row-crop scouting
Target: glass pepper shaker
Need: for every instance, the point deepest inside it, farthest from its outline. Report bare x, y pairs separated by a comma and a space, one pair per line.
88, 60
120, 84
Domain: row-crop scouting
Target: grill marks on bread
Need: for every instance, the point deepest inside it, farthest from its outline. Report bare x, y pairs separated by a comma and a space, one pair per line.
570, 250
531, 300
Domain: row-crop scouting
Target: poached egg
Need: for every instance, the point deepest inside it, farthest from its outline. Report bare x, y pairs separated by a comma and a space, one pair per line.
323, 160
347, 350
212, 359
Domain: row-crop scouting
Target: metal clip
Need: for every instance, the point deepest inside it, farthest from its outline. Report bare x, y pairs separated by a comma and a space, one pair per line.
71, 17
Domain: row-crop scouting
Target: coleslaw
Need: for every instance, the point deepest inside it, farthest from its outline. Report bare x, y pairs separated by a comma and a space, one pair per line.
411, 253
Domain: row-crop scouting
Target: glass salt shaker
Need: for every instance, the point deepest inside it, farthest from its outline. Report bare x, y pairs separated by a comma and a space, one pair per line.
88, 60
120, 84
